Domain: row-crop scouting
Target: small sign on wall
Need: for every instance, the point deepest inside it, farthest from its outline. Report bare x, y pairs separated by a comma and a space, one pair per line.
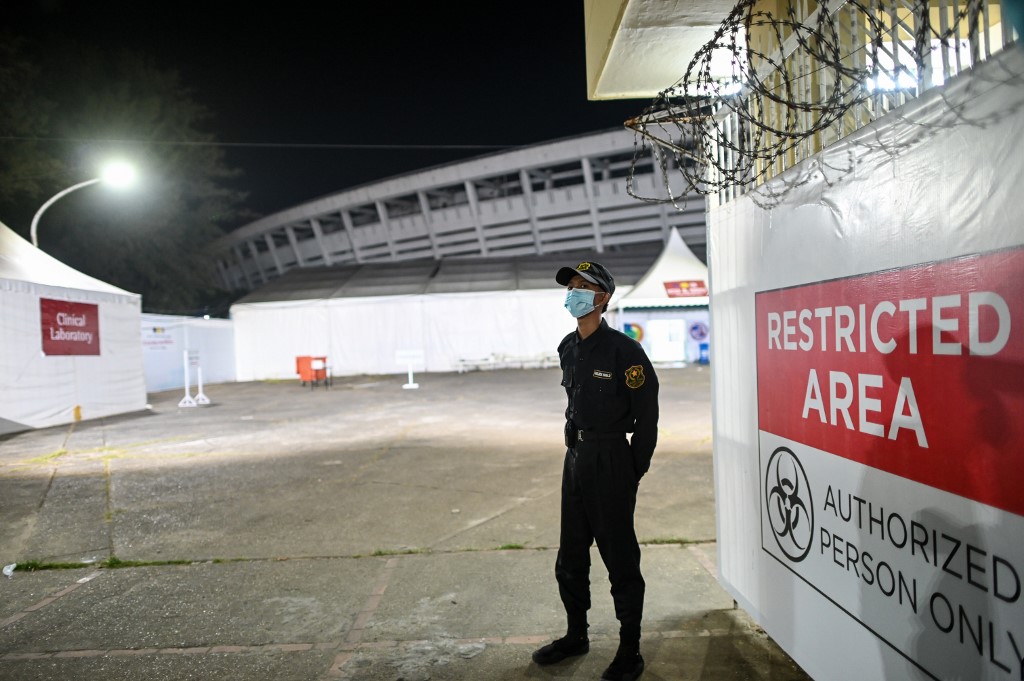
69, 328
157, 338
693, 288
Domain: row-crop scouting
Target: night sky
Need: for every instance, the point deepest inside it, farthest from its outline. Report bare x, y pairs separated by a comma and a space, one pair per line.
396, 74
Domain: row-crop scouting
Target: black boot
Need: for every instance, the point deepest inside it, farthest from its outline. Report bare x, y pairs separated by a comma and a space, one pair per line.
627, 665
624, 668
570, 645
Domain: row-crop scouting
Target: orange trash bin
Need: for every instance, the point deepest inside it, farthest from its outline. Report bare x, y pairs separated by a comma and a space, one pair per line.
304, 369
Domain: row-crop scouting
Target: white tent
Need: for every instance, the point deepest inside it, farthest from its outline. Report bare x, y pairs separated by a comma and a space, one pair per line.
677, 279
460, 314
667, 310
71, 343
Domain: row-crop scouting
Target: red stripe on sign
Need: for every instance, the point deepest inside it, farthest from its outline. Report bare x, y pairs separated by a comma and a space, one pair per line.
917, 371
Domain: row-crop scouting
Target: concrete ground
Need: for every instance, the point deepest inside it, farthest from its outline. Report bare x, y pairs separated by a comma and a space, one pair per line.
361, 532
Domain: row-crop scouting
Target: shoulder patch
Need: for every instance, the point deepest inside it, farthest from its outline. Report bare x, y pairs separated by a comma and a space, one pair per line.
635, 376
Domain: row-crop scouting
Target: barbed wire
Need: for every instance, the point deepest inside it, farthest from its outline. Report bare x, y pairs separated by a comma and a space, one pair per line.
794, 83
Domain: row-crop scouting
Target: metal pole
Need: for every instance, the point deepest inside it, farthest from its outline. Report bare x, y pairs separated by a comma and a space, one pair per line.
42, 209
187, 401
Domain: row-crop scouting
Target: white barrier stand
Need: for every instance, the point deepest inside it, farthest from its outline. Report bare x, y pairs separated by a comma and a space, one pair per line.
187, 401
409, 358
201, 397
410, 385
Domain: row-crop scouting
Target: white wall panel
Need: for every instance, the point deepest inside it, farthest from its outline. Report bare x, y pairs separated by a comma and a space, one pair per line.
927, 199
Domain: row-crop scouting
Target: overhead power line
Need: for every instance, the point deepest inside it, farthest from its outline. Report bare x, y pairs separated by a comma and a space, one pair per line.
257, 145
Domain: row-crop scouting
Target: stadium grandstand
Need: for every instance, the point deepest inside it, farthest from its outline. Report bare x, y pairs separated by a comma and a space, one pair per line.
565, 196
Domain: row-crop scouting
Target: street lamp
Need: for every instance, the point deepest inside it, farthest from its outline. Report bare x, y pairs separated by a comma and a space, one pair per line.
116, 175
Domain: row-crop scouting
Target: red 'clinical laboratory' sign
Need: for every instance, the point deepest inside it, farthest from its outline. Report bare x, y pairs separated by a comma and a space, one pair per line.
69, 328
917, 371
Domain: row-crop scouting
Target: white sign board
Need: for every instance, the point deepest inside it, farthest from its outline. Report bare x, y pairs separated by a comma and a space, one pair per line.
413, 358
869, 400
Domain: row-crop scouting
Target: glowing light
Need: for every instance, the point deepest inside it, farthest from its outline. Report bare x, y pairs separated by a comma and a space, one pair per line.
119, 174
732, 88
885, 82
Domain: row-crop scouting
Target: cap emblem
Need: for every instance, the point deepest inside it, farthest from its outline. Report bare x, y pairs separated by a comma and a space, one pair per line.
583, 267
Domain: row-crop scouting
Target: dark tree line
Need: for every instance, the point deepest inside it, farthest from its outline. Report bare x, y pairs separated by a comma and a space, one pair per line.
65, 109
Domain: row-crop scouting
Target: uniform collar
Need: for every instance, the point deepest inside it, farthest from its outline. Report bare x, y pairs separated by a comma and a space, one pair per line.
600, 331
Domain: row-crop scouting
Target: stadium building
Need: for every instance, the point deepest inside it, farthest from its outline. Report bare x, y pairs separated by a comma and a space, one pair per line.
569, 195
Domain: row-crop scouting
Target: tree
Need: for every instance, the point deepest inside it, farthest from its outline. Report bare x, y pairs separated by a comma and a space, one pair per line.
24, 165
75, 108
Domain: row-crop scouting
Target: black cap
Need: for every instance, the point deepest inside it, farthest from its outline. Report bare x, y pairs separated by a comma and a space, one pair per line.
593, 272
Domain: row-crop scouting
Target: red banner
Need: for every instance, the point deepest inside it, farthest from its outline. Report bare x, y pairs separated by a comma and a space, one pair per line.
69, 328
917, 371
686, 289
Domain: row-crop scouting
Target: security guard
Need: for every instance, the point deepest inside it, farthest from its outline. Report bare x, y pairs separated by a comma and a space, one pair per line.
612, 391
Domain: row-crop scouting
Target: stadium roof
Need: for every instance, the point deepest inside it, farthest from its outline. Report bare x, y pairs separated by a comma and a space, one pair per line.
455, 275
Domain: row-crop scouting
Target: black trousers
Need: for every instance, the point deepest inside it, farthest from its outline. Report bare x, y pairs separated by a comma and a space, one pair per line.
599, 488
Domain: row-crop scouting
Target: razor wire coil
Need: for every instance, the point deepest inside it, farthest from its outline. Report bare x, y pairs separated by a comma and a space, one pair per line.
798, 82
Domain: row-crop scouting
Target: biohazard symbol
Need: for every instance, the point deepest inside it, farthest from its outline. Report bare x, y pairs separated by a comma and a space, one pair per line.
583, 267
790, 508
635, 376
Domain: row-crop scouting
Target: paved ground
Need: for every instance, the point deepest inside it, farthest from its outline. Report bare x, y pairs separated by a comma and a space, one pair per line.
365, 532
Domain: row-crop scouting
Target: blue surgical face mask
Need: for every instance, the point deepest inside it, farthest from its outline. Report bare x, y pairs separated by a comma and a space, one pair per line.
579, 302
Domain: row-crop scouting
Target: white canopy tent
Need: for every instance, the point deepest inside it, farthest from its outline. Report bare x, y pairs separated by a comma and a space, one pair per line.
667, 310
71, 343
677, 279
458, 313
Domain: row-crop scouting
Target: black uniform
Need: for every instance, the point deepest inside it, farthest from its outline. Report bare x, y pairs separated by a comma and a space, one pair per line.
612, 390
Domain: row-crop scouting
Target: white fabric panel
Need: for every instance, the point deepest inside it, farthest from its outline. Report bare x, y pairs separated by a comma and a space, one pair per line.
733, 247
362, 335
40, 390
269, 336
922, 185
365, 333
166, 337
517, 325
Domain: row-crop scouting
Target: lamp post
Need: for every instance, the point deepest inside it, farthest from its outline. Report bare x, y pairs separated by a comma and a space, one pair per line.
116, 174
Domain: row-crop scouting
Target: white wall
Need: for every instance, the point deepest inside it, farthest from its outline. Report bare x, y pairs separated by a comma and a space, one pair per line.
165, 339
362, 335
924, 203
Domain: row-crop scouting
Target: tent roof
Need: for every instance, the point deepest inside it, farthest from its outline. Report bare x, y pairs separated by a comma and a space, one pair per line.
454, 275
677, 263
21, 261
